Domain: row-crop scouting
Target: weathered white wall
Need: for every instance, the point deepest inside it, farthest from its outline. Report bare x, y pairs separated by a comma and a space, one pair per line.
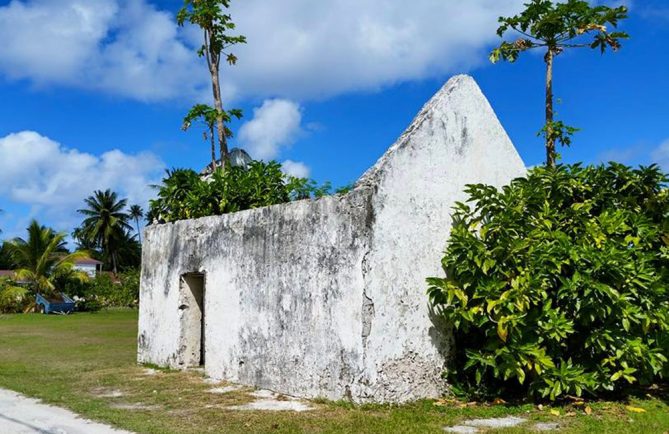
282, 293
455, 140
326, 298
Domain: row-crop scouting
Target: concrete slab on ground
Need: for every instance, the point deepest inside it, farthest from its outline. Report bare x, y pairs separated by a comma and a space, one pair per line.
22, 415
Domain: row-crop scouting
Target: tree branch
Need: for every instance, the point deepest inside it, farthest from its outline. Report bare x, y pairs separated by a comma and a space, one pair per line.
533, 38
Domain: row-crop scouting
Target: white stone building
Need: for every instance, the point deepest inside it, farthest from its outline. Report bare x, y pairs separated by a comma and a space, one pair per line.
326, 298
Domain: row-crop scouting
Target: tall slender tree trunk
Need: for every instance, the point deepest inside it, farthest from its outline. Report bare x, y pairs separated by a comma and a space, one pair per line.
550, 141
218, 104
213, 147
139, 233
113, 259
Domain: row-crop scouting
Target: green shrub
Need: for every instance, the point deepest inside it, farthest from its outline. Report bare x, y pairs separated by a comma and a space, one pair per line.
13, 298
185, 195
558, 284
87, 304
103, 291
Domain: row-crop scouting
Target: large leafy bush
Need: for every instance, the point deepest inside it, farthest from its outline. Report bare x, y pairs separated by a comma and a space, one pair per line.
558, 284
13, 298
184, 194
104, 291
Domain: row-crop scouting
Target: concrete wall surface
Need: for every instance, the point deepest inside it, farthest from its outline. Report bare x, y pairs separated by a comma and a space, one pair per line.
326, 298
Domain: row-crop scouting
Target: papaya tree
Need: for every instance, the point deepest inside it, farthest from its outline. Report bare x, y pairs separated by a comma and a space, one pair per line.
211, 17
554, 28
209, 116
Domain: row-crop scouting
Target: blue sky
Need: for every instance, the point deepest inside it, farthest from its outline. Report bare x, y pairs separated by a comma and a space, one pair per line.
93, 92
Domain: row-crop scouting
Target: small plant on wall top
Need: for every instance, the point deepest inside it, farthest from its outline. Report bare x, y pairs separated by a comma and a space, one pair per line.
184, 194
559, 284
554, 28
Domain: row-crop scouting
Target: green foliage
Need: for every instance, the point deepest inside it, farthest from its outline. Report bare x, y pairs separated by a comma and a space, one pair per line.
209, 16
555, 27
344, 189
262, 184
304, 188
128, 250
215, 24
136, 213
558, 26
208, 116
43, 259
185, 195
104, 291
558, 132
6, 262
13, 298
559, 284
106, 227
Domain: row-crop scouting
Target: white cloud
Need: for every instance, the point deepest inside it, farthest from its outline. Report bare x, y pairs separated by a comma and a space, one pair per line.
297, 49
53, 180
295, 168
122, 47
660, 155
275, 125
148, 59
51, 40
306, 49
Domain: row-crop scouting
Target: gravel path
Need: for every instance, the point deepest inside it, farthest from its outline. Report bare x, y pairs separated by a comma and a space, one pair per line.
22, 415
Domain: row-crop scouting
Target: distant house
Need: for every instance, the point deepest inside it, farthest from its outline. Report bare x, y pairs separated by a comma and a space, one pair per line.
89, 266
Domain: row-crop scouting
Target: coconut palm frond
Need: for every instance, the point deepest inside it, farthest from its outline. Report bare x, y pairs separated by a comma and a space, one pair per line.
39, 282
50, 256
65, 267
71, 259
38, 257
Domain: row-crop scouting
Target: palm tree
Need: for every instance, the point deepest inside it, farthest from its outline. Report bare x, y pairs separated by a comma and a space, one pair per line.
43, 257
105, 222
129, 251
136, 212
6, 262
84, 243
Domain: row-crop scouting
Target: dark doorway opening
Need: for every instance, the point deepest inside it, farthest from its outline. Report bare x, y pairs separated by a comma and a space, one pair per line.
191, 305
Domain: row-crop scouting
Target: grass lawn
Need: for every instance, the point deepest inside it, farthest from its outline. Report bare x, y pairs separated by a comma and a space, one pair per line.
83, 361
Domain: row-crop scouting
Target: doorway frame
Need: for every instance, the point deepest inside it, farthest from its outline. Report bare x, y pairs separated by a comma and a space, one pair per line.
192, 319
